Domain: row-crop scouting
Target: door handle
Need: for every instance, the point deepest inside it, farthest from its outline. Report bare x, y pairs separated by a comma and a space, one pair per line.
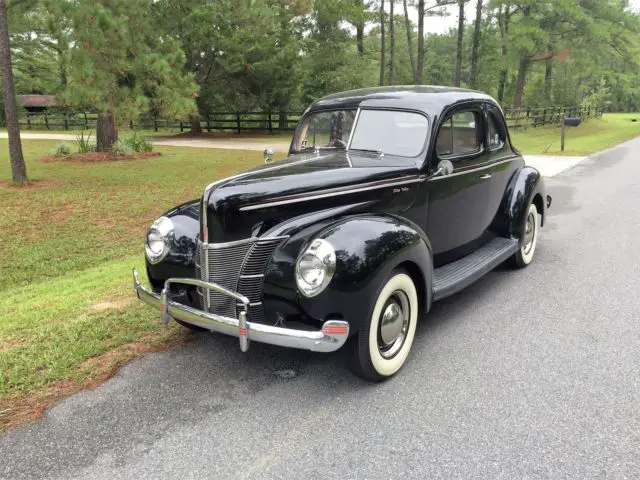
486, 176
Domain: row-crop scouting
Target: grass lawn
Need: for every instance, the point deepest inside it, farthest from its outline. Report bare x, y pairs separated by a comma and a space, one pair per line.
69, 243
590, 137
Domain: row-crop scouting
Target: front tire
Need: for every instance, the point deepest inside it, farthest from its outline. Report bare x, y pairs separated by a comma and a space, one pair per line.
381, 348
524, 256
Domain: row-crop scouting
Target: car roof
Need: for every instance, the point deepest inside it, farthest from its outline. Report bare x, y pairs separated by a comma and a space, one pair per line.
428, 99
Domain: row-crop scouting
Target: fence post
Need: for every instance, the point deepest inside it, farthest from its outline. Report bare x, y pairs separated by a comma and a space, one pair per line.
208, 123
181, 126
270, 122
28, 122
155, 124
66, 121
238, 121
46, 120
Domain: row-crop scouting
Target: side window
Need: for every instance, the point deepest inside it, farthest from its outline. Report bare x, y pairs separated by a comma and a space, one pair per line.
458, 135
496, 139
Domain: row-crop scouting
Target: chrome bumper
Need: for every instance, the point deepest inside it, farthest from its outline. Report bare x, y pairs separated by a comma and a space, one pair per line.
330, 337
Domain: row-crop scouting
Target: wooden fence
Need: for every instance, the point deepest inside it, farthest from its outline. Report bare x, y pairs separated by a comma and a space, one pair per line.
214, 122
273, 122
537, 117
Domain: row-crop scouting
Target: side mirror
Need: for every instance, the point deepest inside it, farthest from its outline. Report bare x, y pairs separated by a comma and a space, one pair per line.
268, 155
445, 167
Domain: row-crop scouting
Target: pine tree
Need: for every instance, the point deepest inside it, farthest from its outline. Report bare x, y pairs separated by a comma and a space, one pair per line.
123, 66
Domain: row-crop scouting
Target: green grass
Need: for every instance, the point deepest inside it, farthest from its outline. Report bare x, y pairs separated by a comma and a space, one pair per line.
591, 136
69, 242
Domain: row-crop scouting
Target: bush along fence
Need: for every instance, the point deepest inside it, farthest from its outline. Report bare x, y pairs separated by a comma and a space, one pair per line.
274, 122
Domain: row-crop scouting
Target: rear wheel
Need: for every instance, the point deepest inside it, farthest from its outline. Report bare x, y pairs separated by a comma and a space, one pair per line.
524, 255
381, 348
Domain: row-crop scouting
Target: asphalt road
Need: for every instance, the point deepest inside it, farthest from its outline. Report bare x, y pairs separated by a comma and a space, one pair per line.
534, 373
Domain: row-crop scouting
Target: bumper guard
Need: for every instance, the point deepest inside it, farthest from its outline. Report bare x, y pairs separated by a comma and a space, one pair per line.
330, 337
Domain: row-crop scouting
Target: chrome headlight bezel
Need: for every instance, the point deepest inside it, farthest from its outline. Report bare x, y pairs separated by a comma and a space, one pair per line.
162, 227
322, 254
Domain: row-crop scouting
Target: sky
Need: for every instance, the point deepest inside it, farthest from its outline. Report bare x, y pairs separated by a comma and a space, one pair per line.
443, 24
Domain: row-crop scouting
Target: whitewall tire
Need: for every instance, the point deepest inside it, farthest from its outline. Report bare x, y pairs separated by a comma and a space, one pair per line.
382, 347
524, 255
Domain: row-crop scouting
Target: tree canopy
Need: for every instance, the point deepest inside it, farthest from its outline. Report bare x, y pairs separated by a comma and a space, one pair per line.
178, 58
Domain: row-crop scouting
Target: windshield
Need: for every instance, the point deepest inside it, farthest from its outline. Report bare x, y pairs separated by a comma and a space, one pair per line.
327, 129
387, 131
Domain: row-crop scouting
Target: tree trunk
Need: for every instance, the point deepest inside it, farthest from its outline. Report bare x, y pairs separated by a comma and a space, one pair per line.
18, 167
106, 132
409, 39
548, 82
196, 128
473, 81
392, 44
360, 38
420, 61
523, 66
382, 43
503, 23
456, 81
502, 83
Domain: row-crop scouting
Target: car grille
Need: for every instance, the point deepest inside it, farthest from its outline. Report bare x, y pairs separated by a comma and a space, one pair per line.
237, 266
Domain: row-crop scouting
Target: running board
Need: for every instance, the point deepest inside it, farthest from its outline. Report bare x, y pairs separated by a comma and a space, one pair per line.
455, 276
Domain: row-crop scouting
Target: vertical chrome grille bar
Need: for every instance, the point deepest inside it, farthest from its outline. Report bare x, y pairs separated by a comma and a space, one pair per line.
236, 266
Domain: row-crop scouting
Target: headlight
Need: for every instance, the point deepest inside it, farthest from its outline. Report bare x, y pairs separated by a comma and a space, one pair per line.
159, 239
315, 267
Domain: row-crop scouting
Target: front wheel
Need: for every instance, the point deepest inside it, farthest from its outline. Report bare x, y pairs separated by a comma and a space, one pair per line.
524, 255
381, 348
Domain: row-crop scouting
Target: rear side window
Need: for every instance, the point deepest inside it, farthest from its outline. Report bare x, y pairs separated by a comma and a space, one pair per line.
496, 139
458, 135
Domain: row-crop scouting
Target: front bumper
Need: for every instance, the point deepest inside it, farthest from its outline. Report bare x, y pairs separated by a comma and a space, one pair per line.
330, 337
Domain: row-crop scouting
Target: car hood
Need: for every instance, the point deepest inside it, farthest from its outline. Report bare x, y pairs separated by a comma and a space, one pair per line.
246, 204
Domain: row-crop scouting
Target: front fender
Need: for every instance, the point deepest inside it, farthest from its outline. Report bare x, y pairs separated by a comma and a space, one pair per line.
525, 186
180, 261
368, 248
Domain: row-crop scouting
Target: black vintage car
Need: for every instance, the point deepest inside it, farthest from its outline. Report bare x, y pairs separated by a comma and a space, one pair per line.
390, 199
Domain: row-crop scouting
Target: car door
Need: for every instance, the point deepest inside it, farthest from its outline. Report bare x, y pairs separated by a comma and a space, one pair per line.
457, 215
503, 162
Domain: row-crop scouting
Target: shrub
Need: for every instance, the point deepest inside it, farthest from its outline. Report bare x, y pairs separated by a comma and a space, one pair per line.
122, 148
137, 143
61, 149
84, 143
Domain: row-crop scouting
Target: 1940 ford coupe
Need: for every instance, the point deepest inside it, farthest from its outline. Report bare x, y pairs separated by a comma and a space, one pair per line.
390, 199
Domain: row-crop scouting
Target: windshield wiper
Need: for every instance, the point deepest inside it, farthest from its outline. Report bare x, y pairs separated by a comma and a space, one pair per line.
313, 149
377, 152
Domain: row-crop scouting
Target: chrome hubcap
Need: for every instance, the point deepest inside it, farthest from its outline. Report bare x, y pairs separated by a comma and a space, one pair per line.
529, 233
393, 325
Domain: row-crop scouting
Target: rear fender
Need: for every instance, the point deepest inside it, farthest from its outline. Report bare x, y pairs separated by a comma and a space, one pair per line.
525, 186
